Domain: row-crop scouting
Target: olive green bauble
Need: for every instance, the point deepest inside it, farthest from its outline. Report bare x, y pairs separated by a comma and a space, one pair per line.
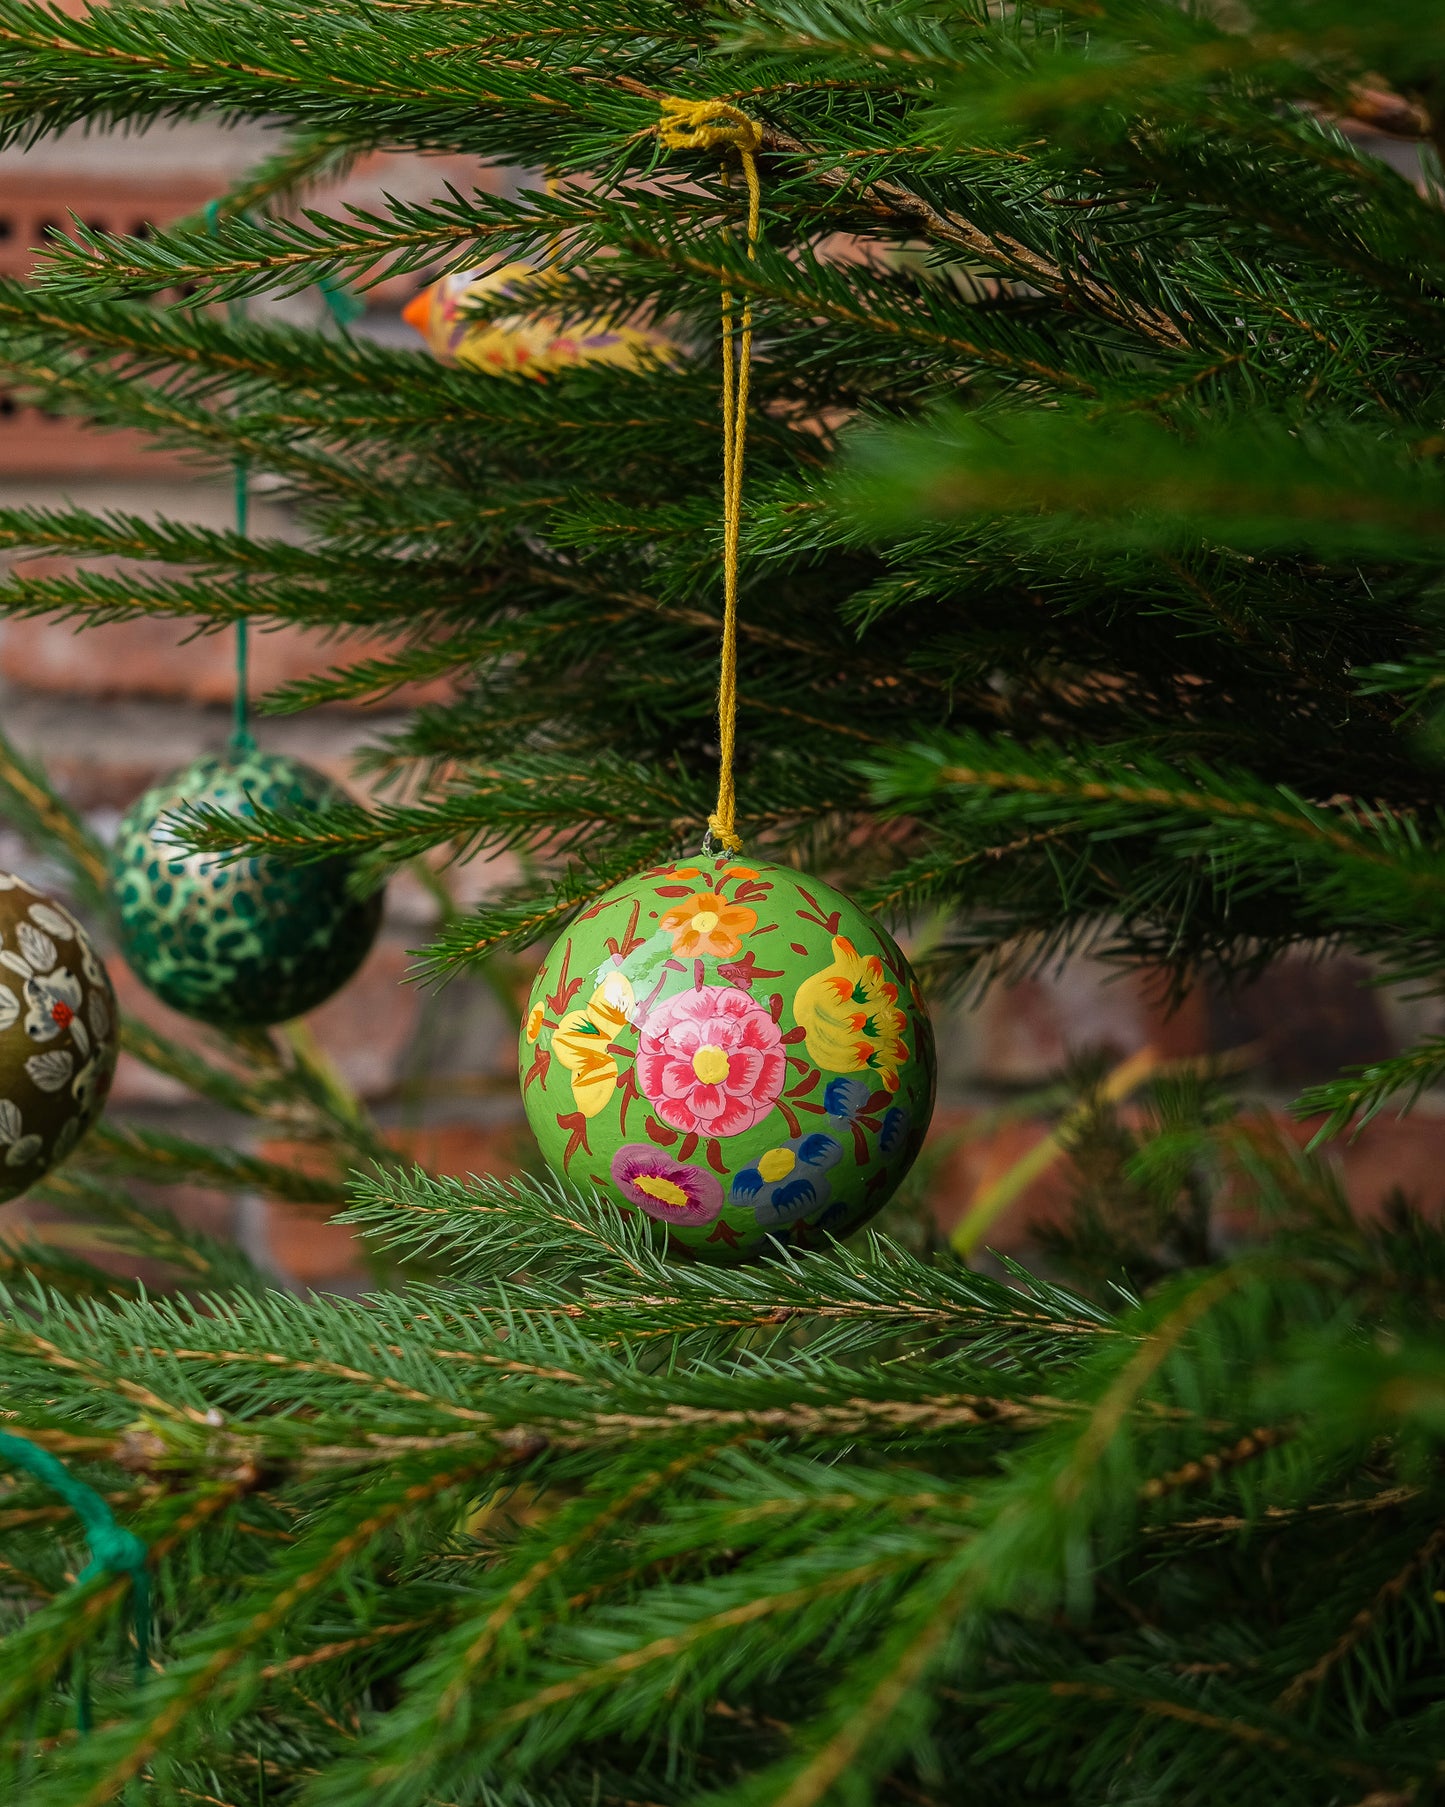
57, 1034
733, 1050
247, 943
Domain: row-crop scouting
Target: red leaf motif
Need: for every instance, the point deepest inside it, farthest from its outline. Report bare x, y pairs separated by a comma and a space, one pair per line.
743, 972
722, 1232
815, 914
661, 1133
627, 1086
715, 1157
541, 1061
576, 1124
689, 1147
567, 989
630, 938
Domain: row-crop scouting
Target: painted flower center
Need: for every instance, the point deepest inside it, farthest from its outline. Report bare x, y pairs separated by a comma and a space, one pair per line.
666, 1192
705, 921
710, 1063
777, 1164
61, 1013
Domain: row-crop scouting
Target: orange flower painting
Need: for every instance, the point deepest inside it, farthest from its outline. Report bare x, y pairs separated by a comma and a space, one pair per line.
706, 924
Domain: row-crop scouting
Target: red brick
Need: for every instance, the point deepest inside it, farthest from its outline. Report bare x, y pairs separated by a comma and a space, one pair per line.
153, 658
1391, 1154
365, 1029
1029, 1030
195, 1206
311, 1251
1300, 1020
36, 446
38, 207
368, 1026
1304, 1019
136, 1083
972, 1158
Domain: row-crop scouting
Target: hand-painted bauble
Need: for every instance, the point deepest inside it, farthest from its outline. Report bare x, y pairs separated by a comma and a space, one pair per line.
731, 1049
485, 320
57, 1034
241, 944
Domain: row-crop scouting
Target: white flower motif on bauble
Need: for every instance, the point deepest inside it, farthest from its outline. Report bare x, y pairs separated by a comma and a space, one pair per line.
54, 1005
94, 971
100, 1019
54, 922
36, 946
86, 1081
9, 1007
68, 1137
51, 1070
23, 1152
11, 1123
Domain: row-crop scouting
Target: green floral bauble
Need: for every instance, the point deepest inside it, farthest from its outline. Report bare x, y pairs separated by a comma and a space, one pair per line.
247, 943
733, 1050
57, 1034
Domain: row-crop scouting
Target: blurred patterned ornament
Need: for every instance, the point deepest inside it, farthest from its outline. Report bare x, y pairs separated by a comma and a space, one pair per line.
465, 319
733, 1050
241, 944
57, 1034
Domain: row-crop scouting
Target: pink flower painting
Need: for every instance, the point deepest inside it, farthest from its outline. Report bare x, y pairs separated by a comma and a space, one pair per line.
711, 1061
666, 1189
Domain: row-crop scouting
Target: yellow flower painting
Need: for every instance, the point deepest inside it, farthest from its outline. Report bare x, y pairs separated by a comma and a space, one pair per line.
850, 1016
584, 1038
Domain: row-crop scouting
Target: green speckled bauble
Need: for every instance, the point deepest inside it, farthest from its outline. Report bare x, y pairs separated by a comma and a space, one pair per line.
57, 1034
248, 943
733, 1050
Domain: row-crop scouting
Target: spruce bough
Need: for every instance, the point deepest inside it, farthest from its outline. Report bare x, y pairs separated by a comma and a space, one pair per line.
1089, 594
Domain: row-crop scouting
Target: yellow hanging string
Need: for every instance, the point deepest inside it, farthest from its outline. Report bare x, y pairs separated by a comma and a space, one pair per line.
708, 125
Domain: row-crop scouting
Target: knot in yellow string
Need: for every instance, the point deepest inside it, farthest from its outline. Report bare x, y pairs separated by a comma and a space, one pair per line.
727, 838
708, 125
703, 125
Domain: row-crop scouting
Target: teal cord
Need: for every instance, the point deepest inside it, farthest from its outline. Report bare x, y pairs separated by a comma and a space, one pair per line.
341, 303
242, 740
344, 307
113, 1549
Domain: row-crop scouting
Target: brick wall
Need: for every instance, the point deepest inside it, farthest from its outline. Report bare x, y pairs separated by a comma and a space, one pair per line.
113, 708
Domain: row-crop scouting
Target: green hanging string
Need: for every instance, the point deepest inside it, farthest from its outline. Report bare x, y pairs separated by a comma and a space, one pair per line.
113, 1550
242, 740
344, 307
341, 303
